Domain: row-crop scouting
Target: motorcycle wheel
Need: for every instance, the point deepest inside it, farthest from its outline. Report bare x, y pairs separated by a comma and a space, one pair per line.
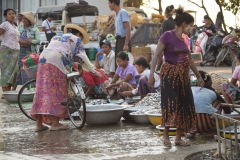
219, 57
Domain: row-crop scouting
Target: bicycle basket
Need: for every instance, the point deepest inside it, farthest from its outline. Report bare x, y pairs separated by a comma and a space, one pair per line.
31, 72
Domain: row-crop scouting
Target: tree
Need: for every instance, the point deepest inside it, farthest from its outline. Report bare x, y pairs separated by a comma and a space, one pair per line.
231, 5
221, 11
159, 9
202, 6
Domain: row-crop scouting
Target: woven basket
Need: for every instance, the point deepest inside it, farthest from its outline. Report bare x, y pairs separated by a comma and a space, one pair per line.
141, 52
217, 80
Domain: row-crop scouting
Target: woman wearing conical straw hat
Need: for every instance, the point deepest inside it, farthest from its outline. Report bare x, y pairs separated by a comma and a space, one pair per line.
29, 41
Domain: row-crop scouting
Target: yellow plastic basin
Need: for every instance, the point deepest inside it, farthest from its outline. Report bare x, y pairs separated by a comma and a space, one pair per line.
154, 118
172, 131
233, 115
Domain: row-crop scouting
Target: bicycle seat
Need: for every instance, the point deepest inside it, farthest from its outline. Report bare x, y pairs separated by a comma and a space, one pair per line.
73, 74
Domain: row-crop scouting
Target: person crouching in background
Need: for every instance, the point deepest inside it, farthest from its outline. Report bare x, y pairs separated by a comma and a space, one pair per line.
108, 61
91, 83
143, 89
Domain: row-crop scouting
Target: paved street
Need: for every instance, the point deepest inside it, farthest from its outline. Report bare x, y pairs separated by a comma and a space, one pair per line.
124, 140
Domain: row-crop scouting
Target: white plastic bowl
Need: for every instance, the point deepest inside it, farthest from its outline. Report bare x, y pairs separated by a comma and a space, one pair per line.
140, 118
12, 96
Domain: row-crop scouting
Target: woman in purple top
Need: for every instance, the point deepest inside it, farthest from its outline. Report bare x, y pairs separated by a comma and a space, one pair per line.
124, 78
176, 99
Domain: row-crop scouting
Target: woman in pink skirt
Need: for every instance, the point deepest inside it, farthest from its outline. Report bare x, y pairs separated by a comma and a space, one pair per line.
54, 63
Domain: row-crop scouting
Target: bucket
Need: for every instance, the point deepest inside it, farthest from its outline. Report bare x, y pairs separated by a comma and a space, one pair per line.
92, 53
100, 57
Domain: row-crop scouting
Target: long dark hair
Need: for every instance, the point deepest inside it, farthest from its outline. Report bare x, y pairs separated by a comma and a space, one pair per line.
6, 11
123, 55
182, 17
141, 61
168, 10
205, 76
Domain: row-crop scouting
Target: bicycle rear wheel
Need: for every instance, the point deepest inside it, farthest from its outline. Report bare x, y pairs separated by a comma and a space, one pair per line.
25, 97
77, 112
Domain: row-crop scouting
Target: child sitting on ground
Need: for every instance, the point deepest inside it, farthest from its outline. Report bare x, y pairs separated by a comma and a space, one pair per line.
91, 83
123, 79
143, 89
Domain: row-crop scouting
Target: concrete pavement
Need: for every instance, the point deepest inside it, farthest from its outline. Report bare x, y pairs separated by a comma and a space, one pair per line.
124, 140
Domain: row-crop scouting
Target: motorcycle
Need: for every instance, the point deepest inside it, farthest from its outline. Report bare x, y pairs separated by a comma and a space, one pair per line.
230, 48
213, 48
202, 40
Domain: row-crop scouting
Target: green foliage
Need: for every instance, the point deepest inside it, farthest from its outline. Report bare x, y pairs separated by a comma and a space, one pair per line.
231, 5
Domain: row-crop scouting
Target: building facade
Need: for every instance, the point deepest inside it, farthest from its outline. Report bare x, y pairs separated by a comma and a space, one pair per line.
24, 5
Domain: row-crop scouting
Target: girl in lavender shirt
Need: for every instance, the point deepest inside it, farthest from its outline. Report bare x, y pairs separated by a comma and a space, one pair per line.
124, 78
176, 96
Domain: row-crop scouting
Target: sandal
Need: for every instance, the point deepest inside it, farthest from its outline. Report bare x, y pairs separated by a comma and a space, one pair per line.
41, 129
182, 143
166, 143
63, 127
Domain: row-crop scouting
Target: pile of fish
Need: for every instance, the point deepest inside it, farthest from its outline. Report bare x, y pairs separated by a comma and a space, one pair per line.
153, 100
98, 102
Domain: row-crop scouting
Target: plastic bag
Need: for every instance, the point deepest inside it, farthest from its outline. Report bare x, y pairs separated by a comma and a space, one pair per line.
30, 60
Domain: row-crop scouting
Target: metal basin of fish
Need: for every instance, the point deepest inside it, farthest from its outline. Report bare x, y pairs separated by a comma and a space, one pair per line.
127, 111
104, 114
12, 96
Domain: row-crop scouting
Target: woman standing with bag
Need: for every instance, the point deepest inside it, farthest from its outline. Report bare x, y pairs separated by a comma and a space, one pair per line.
29, 41
48, 27
176, 99
9, 50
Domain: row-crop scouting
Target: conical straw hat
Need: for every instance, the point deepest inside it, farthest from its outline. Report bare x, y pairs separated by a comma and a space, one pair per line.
29, 16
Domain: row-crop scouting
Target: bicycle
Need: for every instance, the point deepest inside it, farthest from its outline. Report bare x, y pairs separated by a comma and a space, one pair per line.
75, 101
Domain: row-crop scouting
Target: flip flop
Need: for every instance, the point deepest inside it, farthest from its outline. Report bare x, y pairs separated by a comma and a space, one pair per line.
166, 143
41, 129
63, 127
182, 143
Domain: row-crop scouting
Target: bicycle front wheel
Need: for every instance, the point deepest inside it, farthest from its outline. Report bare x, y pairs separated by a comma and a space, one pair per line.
25, 97
77, 112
